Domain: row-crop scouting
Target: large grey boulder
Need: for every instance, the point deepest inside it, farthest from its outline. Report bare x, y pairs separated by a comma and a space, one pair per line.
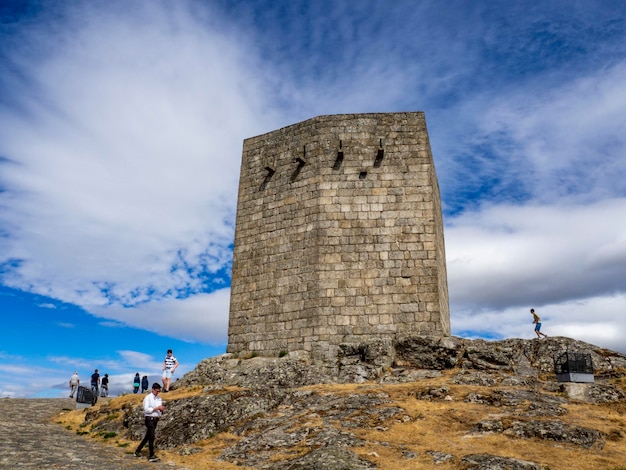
327, 458
496, 462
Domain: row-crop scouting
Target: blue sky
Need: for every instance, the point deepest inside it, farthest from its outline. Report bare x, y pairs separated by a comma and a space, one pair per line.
121, 128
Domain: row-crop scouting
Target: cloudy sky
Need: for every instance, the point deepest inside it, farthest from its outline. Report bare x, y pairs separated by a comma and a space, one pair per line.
121, 128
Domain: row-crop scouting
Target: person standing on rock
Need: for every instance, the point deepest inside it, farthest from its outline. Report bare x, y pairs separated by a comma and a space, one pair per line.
136, 383
152, 409
537, 323
105, 386
74, 383
169, 366
144, 383
95, 382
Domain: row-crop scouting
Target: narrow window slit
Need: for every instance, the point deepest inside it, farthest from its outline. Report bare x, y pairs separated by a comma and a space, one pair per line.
268, 177
362, 175
296, 172
380, 155
339, 159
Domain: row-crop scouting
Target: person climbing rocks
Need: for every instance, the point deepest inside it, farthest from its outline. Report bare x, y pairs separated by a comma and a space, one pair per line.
537, 323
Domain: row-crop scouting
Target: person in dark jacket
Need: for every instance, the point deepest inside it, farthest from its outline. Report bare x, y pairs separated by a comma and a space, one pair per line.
136, 383
105, 386
95, 382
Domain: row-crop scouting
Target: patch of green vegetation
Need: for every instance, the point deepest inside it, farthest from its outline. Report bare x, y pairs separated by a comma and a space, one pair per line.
81, 433
123, 444
108, 435
112, 417
283, 353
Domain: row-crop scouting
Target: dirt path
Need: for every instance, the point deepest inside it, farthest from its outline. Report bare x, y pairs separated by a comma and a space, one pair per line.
28, 439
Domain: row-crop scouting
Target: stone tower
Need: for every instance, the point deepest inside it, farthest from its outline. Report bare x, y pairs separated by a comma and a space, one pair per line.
339, 236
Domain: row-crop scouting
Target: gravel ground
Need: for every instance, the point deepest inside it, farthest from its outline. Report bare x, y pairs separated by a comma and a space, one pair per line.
29, 439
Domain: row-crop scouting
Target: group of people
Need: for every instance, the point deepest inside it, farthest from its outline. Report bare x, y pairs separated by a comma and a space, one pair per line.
140, 382
96, 383
100, 385
152, 404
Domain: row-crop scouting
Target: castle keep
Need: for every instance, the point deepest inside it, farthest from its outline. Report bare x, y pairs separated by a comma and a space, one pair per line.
339, 236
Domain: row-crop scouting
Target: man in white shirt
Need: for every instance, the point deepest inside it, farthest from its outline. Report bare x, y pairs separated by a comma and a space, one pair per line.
74, 383
152, 410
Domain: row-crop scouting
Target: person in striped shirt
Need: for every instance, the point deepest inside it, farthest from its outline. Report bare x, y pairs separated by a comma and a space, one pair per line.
169, 366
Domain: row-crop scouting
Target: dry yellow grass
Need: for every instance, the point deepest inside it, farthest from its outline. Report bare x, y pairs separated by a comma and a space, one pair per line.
433, 426
443, 426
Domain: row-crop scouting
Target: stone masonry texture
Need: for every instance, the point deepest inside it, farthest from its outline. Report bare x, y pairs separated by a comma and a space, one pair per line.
339, 236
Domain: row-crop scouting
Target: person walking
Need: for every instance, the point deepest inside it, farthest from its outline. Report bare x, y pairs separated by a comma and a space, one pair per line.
152, 409
105, 386
169, 366
144, 383
136, 383
537, 323
95, 382
74, 383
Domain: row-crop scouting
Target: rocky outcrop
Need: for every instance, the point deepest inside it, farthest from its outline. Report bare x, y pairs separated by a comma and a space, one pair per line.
271, 408
551, 430
381, 361
511, 355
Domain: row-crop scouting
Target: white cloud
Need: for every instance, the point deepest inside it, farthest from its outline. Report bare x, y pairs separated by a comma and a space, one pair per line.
508, 255
71, 362
138, 359
47, 305
567, 141
27, 380
202, 317
123, 157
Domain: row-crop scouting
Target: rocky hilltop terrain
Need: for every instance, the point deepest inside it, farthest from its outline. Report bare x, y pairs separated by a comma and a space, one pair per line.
420, 402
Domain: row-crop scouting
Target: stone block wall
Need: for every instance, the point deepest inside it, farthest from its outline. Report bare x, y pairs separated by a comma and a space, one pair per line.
339, 236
